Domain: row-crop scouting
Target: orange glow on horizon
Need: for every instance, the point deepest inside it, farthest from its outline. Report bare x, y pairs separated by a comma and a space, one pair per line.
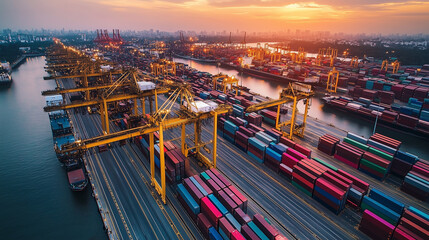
350, 16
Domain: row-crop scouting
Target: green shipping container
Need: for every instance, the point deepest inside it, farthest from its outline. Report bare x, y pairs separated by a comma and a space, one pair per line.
373, 166
380, 153
356, 144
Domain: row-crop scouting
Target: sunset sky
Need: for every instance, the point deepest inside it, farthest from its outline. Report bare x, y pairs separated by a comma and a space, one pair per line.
350, 16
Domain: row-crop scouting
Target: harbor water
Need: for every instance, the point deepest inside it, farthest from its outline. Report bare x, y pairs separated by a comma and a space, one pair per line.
342, 120
35, 198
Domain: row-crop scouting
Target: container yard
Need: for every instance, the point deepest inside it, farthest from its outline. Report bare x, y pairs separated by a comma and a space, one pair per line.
172, 152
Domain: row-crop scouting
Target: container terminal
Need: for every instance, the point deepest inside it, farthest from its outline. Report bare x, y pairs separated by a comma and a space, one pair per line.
174, 153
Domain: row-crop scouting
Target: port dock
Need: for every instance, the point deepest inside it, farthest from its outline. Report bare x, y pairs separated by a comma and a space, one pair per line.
131, 208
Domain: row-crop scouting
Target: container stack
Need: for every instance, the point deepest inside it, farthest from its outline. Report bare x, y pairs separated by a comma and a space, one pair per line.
238, 110
390, 142
331, 189
269, 117
348, 154
305, 174
416, 182
374, 165
402, 163
175, 164
242, 138
273, 156
219, 209
327, 144
383, 206
357, 190
256, 149
414, 224
229, 131
254, 118
375, 226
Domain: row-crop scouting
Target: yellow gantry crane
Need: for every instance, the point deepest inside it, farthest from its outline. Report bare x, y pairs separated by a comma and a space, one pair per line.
294, 93
332, 83
159, 122
276, 57
129, 78
395, 66
384, 65
226, 81
66, 62
163, 67
354, 62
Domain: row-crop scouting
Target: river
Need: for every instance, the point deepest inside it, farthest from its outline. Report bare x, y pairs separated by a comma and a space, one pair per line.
411, 143
36, 202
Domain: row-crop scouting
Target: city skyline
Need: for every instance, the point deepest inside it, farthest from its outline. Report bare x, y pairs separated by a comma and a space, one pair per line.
351, 17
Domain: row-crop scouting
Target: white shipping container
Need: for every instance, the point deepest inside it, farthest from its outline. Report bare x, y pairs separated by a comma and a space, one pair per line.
200, 106
143, 85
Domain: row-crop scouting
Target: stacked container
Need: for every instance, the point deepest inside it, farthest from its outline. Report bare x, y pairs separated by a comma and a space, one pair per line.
269, 116
305, 174
218, 209
348, 154
402, 163
331, 190
327, 144
375, 227
229, 131
414, 224
358, 189
256, 149
383, 206
253, 118
416, 182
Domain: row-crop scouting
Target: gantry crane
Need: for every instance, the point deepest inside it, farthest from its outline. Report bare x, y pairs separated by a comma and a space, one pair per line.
159, 122
395, 66
226, 81
384, 65
129, 78
294, 93
163, 67
354, 62
72, 63
301, 55
332, 83
276, 57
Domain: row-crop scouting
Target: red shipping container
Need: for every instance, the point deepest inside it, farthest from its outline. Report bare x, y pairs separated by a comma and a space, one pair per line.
236, 235
203, 224
303, 150
265, 227
210, 211
240, 196
287, 142
226, 227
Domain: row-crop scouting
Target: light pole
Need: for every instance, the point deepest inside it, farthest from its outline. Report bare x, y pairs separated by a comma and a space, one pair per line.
375, 124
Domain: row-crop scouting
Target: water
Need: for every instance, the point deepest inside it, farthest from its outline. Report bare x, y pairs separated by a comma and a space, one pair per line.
342, 120
35, 200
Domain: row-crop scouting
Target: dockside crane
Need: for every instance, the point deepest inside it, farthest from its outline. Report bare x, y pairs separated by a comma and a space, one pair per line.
354, 62
226, 81
294, 93
332, 83
160, 121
